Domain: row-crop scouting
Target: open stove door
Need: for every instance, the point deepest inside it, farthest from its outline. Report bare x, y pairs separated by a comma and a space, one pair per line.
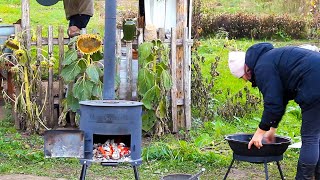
64, 143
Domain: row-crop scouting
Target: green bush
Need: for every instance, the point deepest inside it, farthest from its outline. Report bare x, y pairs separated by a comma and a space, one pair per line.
243, 25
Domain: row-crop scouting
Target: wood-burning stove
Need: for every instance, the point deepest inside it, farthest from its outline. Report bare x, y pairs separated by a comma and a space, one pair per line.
109, 125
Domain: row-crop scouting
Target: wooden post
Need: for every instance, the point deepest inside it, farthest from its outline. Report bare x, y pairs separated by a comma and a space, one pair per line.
174, 81
39, 93
181, 24
50, 78
25, 22
187, 79
17, 123
61, 58
129, 70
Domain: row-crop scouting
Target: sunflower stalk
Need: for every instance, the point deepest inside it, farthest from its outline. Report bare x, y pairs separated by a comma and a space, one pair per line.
26, 79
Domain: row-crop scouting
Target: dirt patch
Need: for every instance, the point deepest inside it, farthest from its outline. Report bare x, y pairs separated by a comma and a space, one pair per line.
26, 177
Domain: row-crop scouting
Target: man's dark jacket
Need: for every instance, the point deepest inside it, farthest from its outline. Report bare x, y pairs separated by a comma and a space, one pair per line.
283, 74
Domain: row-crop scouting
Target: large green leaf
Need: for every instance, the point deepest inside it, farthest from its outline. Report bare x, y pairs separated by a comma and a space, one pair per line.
70, 57
144, 51
97, 90
145, 80
93, 73
97, 56
82, 89
148, 120
70, 72
161, 109
72, 102
166, 80
152, 97
82, 64
99, 69
165, 53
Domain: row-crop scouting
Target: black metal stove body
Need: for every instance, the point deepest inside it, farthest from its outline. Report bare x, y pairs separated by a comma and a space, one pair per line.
101, 120
112, 118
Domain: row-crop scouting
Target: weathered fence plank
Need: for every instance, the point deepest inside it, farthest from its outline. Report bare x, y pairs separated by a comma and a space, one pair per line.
17, 122
181, 23
39, 59
173, 67
50, 79
61, 58
187, 80
129, 70
25, 22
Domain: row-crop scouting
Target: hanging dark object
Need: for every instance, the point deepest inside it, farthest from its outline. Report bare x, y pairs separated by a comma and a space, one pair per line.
47, 2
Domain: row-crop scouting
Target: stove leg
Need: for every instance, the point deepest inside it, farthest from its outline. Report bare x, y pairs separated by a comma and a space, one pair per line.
266, 170
225, 177
280, 171
136, 173
83, 171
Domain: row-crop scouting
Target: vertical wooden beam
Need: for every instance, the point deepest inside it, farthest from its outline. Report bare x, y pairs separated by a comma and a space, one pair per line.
39, 59
50, 78
187, 79
17, 123
181, 24
25, 22
174, 81
129, 70
61, 59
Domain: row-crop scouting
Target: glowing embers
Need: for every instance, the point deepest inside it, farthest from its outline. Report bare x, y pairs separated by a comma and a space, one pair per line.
115, 149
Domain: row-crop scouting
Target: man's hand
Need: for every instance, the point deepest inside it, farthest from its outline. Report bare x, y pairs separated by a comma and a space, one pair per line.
269, 136
257, 139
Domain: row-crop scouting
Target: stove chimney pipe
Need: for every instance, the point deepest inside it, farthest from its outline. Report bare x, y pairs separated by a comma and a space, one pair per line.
109, 49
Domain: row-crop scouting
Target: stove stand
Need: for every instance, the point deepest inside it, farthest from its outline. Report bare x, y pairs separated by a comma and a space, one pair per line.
87, 163
258, 160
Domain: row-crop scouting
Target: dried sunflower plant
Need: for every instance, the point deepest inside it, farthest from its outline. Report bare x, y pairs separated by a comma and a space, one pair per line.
82, 71
26, 69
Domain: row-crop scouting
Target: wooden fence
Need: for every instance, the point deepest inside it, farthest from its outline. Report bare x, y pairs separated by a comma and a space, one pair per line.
126, 70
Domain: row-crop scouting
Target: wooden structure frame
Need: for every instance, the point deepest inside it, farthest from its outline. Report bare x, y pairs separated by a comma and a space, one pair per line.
180, 44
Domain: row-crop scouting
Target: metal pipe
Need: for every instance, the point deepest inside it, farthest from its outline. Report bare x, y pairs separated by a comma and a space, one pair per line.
109, 49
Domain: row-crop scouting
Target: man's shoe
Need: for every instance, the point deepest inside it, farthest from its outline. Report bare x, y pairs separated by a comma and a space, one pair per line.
73, 31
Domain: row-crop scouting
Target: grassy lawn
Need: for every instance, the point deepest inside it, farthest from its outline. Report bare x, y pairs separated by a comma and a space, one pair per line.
205, 145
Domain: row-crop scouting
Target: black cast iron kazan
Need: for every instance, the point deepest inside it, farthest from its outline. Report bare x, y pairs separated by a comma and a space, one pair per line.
267, 153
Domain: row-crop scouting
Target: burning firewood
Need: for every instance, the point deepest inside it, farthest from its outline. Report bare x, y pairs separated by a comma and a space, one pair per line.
110, 150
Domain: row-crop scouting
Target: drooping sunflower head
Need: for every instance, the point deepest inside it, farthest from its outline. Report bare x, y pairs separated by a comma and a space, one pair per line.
12, 44
89, 43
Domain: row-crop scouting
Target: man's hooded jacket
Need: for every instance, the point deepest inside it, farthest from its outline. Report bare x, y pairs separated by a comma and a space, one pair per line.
283, 74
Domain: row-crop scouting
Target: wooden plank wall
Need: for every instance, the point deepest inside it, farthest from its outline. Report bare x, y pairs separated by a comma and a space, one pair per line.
181, 24
180, 63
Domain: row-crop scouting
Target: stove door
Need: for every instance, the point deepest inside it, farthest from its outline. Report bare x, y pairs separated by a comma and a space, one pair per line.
64, 143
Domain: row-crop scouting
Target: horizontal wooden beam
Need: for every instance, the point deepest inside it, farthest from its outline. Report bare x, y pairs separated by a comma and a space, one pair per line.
67, 40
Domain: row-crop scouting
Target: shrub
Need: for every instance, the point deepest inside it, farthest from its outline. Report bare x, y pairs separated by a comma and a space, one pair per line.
243, 25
